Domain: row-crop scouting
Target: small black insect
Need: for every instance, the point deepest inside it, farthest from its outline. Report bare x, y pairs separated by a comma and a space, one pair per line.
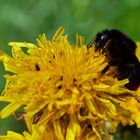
120, 51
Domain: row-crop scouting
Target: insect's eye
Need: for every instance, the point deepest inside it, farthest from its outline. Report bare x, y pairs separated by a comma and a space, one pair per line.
101, 40
104, 38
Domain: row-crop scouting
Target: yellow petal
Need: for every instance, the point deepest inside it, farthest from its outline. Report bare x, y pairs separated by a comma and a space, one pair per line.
138, 50
8, 110
58, 34
74, 129
57, 130
12, 136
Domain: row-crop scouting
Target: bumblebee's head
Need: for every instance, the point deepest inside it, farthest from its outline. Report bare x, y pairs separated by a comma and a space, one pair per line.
101, 39
116, 38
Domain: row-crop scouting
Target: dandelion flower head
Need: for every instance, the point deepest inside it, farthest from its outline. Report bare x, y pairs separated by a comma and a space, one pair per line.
62, 91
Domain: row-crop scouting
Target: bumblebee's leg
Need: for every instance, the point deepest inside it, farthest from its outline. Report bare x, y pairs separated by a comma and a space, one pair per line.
105, 69
103, 72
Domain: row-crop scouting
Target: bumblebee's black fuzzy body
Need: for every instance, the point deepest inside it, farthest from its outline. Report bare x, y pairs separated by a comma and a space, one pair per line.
120, 51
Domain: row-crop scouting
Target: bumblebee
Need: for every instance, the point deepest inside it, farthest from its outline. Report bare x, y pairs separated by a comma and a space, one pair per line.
120, 51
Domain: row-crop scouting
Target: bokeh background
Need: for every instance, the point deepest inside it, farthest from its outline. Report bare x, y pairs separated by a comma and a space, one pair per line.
24, 20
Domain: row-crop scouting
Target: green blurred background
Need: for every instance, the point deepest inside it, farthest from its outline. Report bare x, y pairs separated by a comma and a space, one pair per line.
24, 20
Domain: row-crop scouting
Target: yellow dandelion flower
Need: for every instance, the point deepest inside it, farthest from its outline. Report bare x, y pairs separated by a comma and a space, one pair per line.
63, 92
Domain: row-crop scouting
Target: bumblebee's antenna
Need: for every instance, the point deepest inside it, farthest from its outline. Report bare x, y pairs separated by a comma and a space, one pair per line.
91, 43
